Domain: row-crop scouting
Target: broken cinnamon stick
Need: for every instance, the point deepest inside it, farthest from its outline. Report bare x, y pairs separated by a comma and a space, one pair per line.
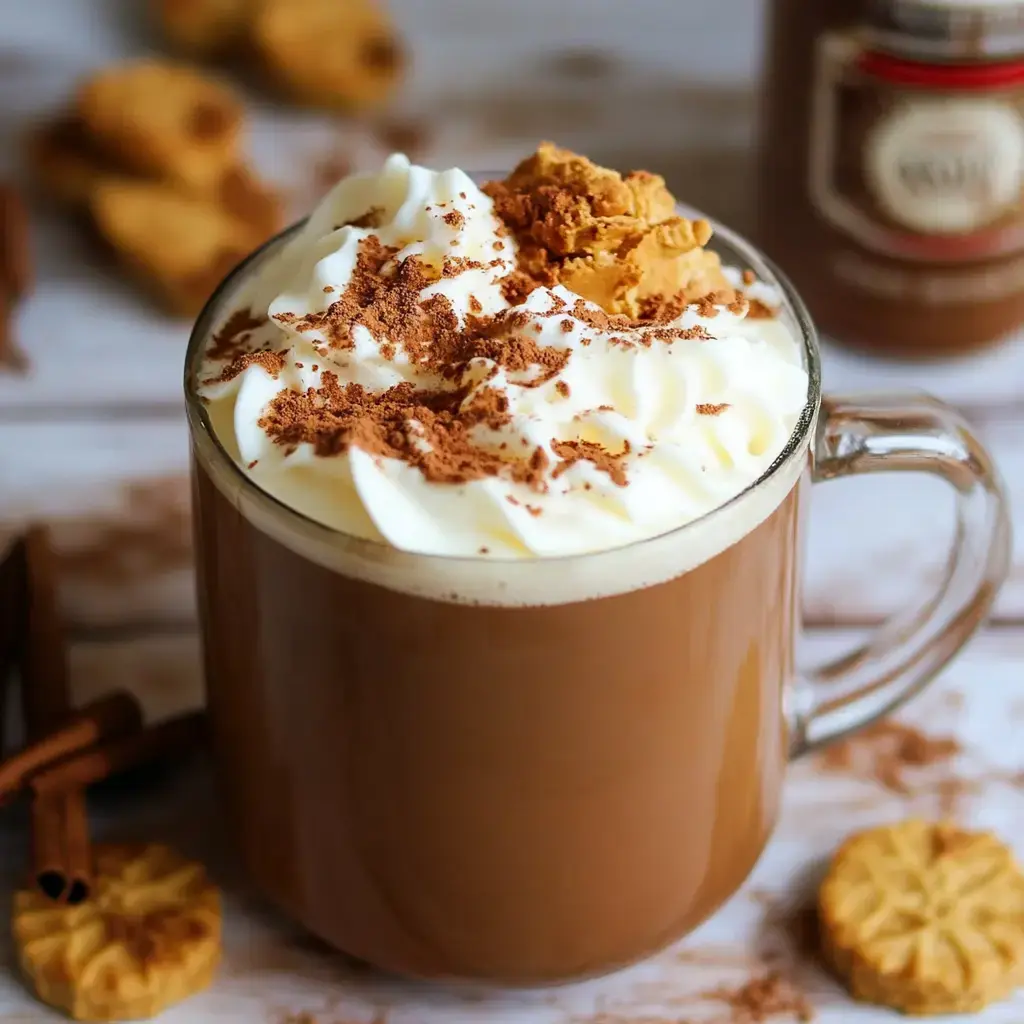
45, 693
175, 736
109, 717
15, 270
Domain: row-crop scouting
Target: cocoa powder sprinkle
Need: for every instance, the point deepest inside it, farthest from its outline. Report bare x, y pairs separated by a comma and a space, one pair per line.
232, 337
571, 452
426, 429
272, 362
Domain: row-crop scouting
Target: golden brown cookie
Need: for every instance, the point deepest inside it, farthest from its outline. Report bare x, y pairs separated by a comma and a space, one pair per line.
924, 918
204, 28
163, 120
614, 240
63, 163
257, 206
329, 53
148, 936
179, 246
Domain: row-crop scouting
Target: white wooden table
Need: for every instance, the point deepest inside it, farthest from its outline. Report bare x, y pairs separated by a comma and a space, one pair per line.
93, 440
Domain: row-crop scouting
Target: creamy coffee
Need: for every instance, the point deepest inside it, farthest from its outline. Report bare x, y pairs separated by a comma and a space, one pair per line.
515, 794
498, 539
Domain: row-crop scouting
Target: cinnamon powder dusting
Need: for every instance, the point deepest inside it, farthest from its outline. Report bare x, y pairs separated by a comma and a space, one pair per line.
429, 430
231, 339
272, 362
571, 452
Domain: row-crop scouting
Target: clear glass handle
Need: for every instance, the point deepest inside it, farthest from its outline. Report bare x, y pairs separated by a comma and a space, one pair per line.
907, 433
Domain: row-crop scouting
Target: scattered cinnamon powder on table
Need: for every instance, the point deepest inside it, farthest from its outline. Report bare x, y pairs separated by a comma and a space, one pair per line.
882, 752
763, 999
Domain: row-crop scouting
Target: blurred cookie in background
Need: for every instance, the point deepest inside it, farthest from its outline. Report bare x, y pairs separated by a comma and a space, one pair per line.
204, 28
342, 54
328, 54
177, 246
152, 153
162, 120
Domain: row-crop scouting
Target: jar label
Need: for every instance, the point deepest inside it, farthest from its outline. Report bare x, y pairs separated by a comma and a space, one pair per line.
928, 170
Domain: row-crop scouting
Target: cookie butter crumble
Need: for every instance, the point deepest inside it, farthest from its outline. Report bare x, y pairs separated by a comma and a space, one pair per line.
615, 240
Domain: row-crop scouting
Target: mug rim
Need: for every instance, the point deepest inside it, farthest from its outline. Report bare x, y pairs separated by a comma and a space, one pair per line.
206, 444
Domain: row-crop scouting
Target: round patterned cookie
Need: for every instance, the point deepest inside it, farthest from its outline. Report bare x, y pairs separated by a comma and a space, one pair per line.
148, 936
924, 918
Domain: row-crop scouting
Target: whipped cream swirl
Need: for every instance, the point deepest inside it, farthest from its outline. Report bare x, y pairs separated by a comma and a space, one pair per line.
641, 429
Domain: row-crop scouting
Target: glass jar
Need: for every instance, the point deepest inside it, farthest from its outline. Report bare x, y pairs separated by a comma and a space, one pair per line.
891, 163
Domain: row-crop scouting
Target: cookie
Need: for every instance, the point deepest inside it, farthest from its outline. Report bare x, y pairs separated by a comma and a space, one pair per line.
148, 936
260, 209
340, 54
616, 240
62, 162
162, 120
204, 28
924, 918
179, 246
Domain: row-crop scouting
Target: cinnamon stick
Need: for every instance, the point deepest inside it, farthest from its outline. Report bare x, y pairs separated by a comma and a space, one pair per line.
77, 846
48, 866
110, 716
175, 736
61, 850
16, 271
45, 693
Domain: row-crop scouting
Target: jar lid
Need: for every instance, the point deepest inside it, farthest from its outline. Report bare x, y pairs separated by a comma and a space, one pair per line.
947, 30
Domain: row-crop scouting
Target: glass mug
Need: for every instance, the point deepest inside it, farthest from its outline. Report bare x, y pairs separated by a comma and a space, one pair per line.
527, 771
